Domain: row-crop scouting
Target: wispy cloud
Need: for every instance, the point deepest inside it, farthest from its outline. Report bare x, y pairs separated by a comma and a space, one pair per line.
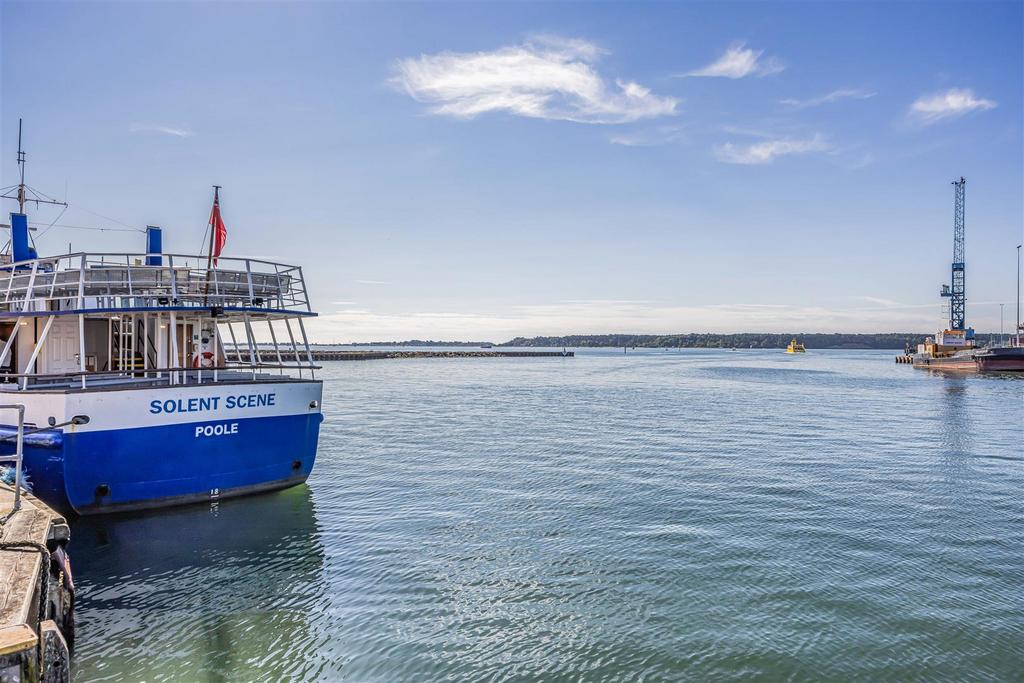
602, 316
747, 131
662, 135
890, 303
953, 103
834, 96
767, 151
180, 132
548, 77
739, 61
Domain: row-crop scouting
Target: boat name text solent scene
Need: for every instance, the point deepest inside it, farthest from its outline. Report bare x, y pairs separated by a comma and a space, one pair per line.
211, 403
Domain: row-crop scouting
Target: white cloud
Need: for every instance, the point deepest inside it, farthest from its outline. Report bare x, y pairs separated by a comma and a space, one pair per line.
182, 132
834, 96
766, 152
662, 135
954, 102
746, 131
739, 61
547, 77
890, 303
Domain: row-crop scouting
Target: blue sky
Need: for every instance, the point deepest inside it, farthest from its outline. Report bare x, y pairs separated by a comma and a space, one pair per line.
481, 171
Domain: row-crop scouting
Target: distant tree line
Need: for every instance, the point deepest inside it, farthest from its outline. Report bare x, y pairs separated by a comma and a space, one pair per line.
745, 340
408, 342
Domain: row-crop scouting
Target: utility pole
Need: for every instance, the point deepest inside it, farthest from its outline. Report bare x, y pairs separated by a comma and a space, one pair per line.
1018, 296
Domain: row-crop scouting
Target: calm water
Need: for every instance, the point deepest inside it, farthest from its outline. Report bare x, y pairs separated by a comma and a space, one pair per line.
665, 515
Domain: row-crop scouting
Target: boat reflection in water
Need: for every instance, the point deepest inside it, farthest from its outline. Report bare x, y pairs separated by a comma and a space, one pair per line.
201, 592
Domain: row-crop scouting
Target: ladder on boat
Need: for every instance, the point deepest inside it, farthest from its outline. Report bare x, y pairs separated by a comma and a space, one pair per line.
127, 345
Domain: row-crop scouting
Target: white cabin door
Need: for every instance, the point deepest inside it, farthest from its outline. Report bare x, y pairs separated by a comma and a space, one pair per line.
61, 352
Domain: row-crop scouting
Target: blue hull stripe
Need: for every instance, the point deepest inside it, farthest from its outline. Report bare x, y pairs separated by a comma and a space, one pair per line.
102, 471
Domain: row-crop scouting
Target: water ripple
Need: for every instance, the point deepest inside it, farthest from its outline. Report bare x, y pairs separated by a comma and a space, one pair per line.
694, 515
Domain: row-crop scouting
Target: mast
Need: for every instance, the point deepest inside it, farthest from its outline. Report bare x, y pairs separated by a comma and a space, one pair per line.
21, 168
21, 196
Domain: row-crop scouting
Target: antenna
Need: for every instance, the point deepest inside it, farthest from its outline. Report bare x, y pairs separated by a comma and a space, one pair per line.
21, 197
21, 169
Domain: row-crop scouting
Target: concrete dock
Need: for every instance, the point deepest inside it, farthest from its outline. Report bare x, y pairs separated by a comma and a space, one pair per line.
36, 592
328, 354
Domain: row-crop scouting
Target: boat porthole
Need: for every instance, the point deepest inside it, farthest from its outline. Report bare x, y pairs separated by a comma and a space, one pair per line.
102, 490
296, 464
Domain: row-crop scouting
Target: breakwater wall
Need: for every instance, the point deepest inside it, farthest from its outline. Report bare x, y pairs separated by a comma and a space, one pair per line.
243, 355
36, 609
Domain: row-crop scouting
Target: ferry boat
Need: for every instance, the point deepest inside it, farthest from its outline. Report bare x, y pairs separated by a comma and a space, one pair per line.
133, 396
795, 347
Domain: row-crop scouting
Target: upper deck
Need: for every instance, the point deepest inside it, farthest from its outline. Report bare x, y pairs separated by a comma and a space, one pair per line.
94, 320
127, 282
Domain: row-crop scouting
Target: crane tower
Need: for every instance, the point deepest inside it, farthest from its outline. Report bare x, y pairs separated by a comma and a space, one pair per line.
957, 292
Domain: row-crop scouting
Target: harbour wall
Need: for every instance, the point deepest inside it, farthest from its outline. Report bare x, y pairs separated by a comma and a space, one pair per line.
268, 355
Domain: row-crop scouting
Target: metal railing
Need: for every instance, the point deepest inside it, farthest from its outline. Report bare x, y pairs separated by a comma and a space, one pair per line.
18, 451
232, 372
120, 280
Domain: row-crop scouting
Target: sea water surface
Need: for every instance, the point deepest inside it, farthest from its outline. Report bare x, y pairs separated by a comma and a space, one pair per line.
651, 515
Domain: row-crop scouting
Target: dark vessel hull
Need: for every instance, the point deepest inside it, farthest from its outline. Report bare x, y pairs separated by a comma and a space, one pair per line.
999, 359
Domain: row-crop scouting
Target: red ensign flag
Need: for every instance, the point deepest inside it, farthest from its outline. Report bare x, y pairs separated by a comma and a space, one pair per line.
220, 232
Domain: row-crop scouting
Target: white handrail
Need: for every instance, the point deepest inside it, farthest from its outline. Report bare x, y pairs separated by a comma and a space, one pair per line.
18, 452
238, 282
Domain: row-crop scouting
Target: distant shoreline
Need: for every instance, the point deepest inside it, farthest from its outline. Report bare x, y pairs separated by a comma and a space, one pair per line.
745, 340
409, 342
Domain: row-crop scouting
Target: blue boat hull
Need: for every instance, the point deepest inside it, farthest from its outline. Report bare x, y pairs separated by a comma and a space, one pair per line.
155, 466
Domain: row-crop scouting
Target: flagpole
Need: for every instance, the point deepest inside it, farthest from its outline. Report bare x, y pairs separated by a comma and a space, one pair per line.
209, 253
213, 226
